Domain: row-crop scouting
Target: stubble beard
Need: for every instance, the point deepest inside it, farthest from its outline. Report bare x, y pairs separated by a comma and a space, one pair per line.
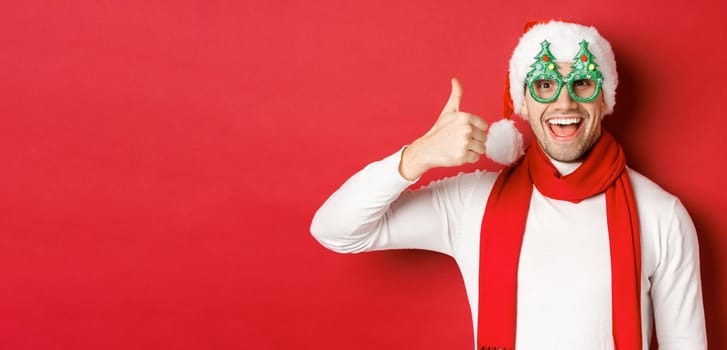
574, 152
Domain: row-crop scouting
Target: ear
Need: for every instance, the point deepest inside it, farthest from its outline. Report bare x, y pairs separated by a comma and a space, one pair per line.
524, 108
604, 106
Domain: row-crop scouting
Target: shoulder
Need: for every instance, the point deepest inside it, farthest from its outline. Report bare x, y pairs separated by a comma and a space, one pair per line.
463, 184
662, 215
460, 195
649, 195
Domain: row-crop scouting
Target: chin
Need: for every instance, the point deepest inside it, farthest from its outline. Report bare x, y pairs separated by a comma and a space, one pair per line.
565, 153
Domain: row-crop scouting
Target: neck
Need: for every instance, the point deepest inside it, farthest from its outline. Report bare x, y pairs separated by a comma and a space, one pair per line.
565, 168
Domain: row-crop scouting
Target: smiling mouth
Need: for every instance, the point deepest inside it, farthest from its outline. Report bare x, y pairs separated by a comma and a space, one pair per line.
564, 128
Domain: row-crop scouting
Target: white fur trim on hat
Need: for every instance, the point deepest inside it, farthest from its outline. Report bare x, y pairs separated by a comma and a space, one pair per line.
564, 41
504, 142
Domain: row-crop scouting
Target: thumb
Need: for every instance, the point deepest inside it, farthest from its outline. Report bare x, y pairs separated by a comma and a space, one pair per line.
454, 98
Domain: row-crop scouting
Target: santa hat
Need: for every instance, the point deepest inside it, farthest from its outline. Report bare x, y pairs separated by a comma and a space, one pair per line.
504, 142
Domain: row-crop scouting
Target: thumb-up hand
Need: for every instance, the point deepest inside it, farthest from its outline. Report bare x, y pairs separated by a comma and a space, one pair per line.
455, 139
455, 97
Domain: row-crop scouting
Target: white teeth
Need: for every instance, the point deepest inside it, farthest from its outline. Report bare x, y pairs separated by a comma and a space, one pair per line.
564, 121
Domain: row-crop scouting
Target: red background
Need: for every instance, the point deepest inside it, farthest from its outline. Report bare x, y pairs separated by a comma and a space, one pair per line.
161, 160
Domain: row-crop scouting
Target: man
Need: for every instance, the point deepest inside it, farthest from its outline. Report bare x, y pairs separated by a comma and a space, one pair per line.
566, 249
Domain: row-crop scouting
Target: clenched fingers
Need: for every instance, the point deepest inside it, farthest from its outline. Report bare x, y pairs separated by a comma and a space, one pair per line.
478, 135
477, 122
472, 157
476, 146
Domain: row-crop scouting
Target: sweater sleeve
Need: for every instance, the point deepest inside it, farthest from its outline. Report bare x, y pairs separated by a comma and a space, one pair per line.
373, 210
676, 287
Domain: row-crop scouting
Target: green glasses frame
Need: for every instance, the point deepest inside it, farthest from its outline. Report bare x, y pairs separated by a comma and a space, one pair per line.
545, 68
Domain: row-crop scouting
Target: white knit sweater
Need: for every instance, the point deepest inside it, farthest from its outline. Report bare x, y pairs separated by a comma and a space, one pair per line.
564, 277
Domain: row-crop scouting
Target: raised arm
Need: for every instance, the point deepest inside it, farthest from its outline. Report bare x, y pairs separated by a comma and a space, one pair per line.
372, 210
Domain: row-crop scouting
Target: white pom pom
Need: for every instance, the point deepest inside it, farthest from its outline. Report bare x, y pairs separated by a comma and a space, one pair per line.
504, 142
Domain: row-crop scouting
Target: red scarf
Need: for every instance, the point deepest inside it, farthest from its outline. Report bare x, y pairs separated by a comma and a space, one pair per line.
503, 225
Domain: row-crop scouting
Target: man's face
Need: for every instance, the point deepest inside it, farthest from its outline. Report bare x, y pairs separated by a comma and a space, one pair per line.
566, 129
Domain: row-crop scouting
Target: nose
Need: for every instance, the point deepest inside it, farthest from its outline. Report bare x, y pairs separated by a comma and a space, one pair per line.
564, 101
